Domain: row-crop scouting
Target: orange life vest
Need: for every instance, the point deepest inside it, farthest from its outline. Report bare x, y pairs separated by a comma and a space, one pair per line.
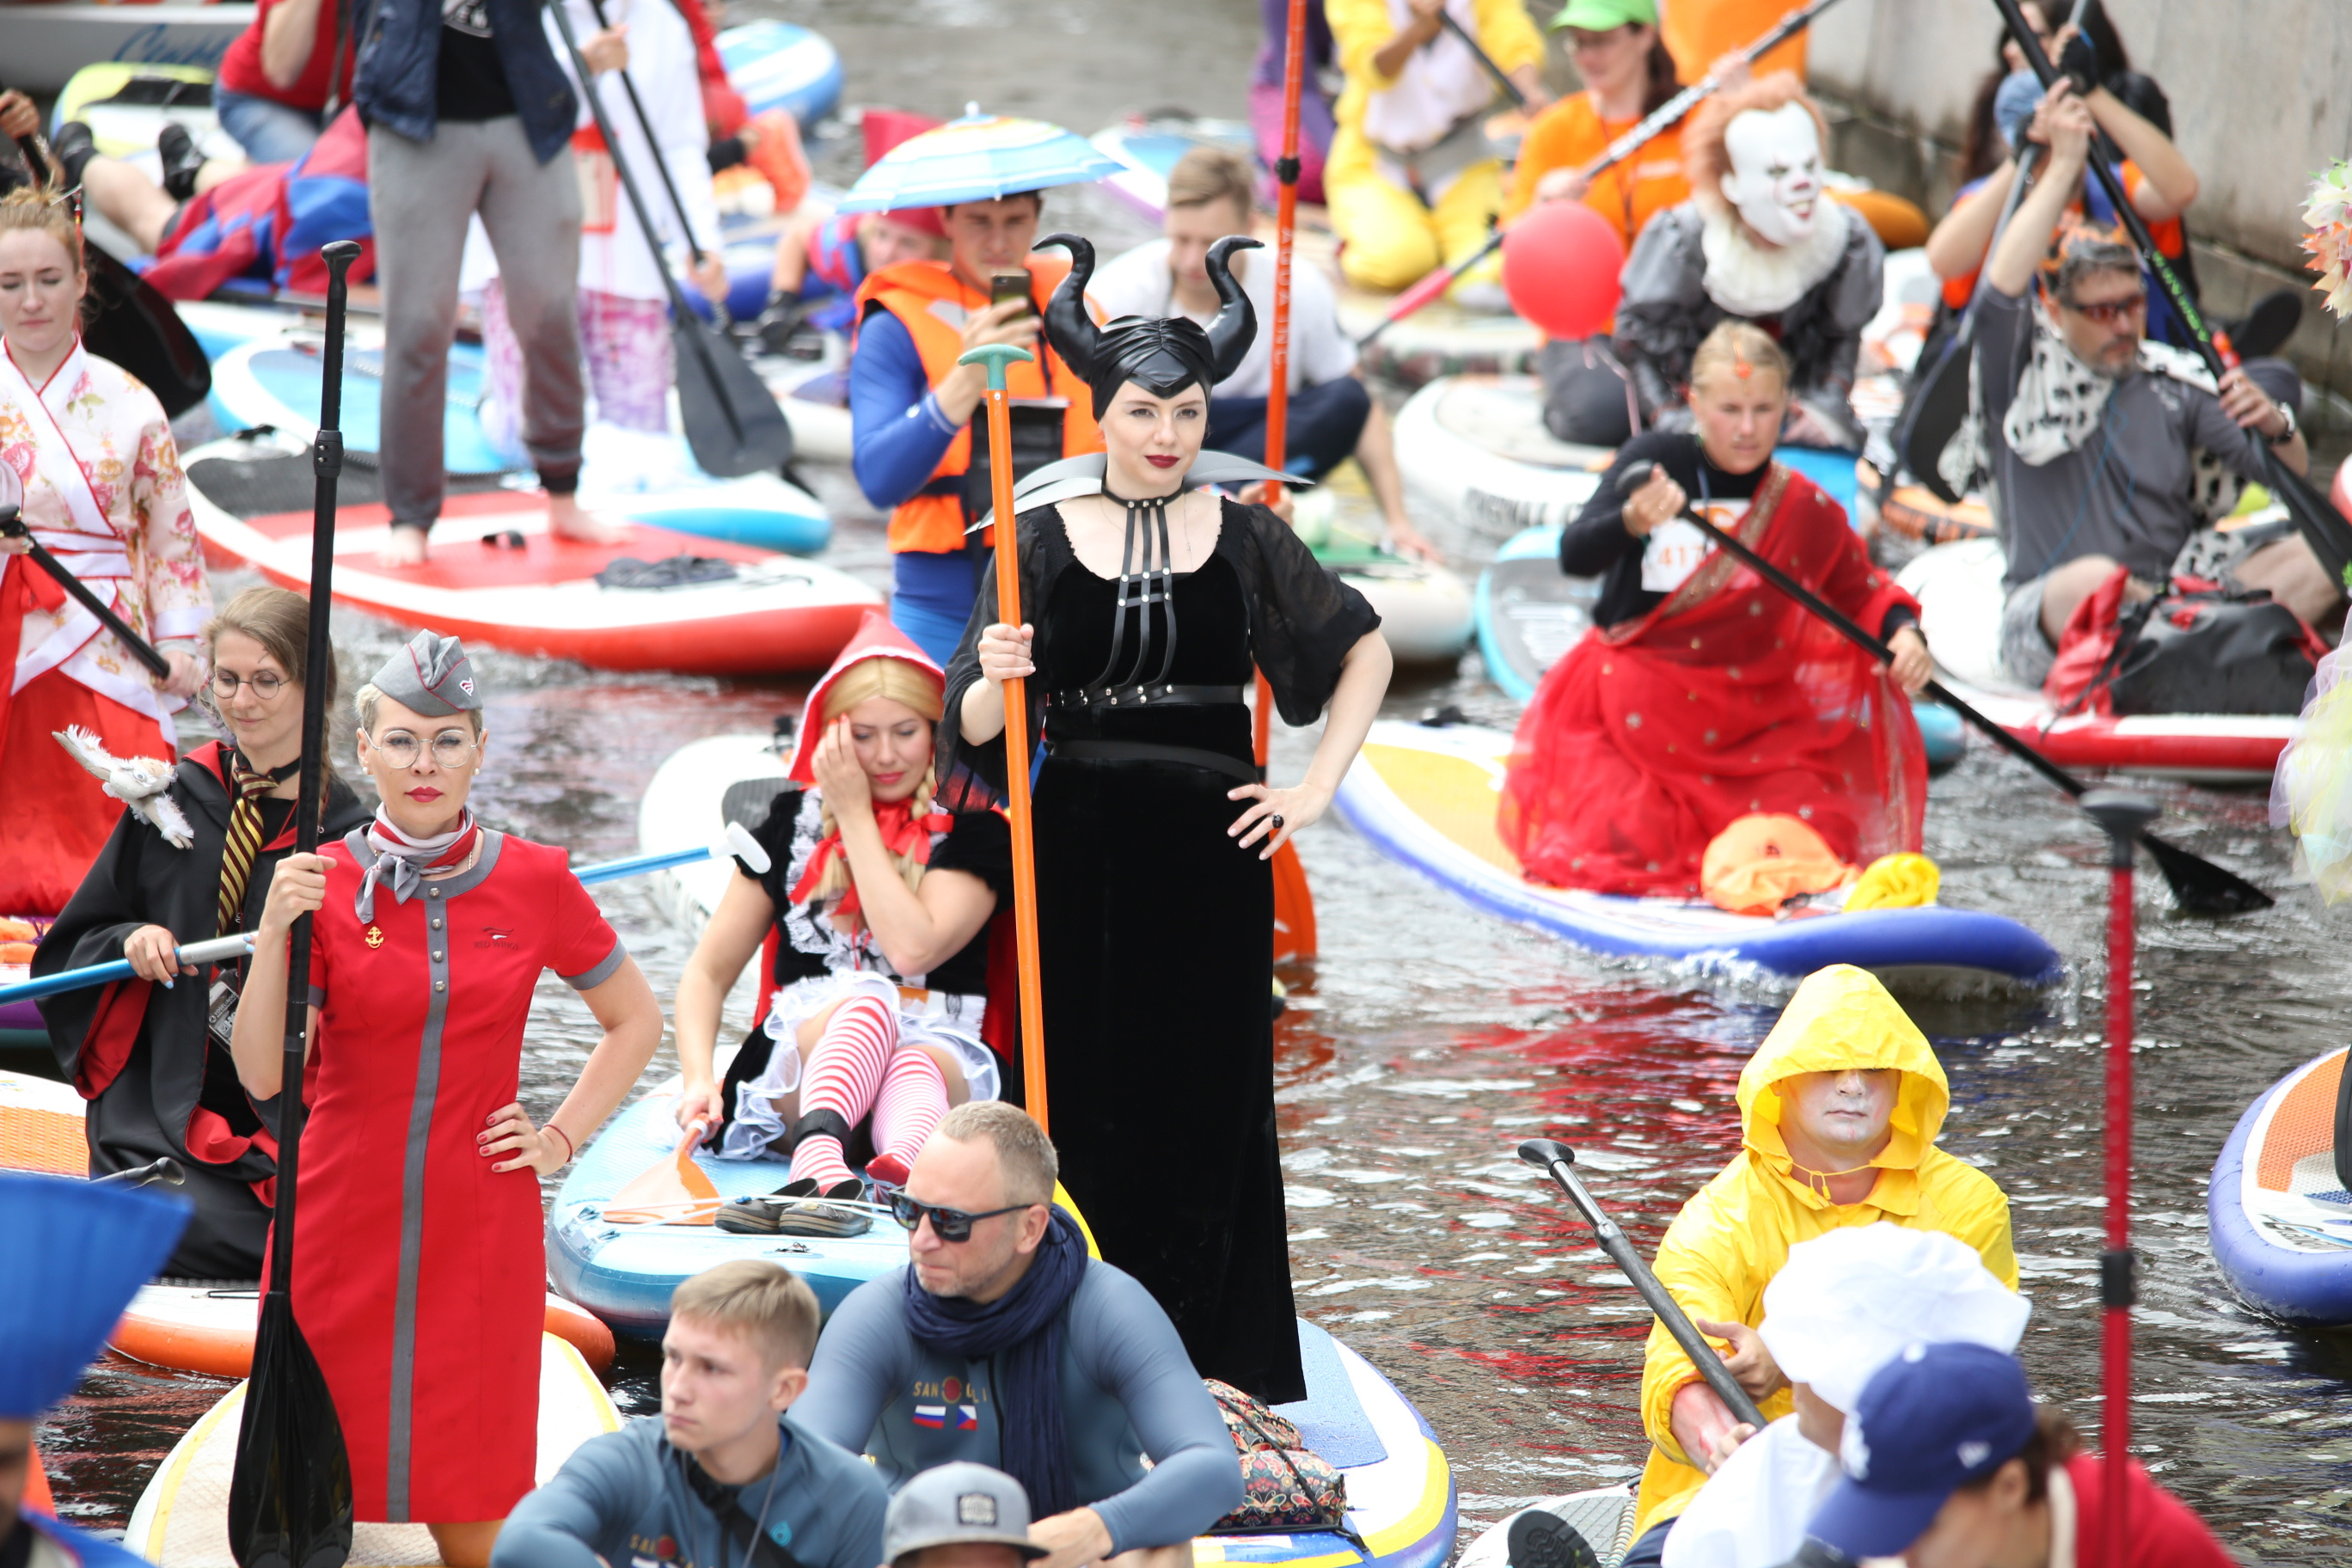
933, 302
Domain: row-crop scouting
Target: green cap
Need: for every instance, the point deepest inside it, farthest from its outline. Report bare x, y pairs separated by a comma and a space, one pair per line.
1603, 16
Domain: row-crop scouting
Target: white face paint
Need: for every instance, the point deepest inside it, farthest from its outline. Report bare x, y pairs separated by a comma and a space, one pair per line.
1775, 178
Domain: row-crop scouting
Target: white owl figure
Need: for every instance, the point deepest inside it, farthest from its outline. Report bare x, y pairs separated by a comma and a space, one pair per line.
138, 783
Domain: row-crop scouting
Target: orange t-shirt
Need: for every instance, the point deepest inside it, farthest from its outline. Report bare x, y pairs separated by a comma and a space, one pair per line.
1700, 32
1571, 133
2168, 235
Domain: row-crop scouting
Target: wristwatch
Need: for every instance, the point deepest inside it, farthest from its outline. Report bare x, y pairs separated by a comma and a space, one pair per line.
2286, 412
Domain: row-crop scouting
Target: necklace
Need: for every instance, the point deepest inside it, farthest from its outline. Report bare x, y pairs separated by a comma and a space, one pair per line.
1147, 577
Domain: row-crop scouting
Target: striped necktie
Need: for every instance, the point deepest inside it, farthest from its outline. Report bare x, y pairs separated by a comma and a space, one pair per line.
243, 839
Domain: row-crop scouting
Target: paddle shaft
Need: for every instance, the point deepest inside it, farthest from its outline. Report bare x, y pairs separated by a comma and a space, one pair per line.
221, 950
653, 145
1650, 127
1016, 692
2322, 526
1285, 236
12, 524
1486, 61
1556, 1158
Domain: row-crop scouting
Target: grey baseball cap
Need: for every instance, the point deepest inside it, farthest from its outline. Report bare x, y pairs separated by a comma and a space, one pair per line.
949, 1505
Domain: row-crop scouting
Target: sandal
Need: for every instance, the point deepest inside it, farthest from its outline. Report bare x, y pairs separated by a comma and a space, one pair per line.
798, 1208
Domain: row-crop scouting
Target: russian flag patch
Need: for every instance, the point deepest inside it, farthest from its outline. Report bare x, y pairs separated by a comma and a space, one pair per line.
934, 1417
967, 1418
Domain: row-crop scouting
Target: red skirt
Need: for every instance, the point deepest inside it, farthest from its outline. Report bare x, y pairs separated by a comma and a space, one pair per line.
58, 814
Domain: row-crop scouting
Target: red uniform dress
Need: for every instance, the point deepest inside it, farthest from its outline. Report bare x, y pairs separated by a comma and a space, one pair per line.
419, 1274
1648, 738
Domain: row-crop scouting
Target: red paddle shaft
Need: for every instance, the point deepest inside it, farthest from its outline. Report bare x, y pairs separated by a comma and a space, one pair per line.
2125, 816
1286, 234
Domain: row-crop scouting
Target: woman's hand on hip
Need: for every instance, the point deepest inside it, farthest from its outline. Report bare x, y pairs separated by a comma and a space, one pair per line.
297, 887
1912, 666
1656, 504
152, 952
509, 1132
1005, 652
844, 782
1275, 814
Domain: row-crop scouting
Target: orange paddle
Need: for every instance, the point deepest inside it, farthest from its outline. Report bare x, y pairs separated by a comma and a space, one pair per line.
673, 1190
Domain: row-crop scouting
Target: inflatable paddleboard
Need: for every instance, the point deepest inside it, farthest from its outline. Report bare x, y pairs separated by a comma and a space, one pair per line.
1959, 591
697, 790
2279, 1216
126, 107
1439, 340
1149, 146
276, 381
1426, 797
1604, 1517
48, 43
776, 65
181, 1518
1424, 609
208, 1327
498, 575
1401, 1497
1529, 614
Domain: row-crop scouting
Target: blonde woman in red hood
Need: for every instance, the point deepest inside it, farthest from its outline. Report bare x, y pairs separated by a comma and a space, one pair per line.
1839, 1111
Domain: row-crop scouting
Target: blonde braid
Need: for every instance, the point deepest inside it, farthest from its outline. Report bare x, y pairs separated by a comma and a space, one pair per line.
836, 879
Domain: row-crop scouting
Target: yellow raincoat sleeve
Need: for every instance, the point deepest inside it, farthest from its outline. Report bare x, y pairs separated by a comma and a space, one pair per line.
1705, 1268
1960, 1200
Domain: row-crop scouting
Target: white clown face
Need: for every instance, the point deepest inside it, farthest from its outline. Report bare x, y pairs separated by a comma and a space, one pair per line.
1775, 178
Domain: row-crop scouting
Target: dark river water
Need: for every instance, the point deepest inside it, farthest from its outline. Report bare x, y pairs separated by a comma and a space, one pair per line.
1428, 1039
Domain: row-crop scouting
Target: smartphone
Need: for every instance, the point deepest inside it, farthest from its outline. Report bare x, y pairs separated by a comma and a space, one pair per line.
1003, 286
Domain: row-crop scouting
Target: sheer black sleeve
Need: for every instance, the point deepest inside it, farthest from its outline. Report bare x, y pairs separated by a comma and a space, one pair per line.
1302, 618
987, 758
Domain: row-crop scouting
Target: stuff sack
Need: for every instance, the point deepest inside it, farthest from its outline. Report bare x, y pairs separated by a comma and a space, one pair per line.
1285, 1486
2195, 648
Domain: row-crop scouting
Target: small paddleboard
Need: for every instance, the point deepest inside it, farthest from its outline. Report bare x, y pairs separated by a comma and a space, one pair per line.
126, 107
697, 790
2279, 1219
1426, 797
209, 1328
1424, 609
1529, 614
498, 576
1959, 587
180, 1521
1149, 146
1603, 1516
1401, 1497
777, 65
48, 43
274, 381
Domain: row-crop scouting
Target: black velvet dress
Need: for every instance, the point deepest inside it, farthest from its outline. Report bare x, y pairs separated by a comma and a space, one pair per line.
1157, 930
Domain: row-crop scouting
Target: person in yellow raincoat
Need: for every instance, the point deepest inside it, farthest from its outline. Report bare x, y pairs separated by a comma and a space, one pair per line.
1839, 1111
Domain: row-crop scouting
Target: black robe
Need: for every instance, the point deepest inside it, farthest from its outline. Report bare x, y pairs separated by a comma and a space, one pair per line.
144, 1059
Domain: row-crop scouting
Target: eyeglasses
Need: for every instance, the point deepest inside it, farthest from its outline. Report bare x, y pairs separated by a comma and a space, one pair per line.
451, 748
949, 1225
267, 683
2111, 313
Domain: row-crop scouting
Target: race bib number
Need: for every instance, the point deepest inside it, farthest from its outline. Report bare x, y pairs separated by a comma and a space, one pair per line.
1675, 549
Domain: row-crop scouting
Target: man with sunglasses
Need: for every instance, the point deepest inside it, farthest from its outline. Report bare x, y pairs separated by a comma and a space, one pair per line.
2109, 451
1002, 1343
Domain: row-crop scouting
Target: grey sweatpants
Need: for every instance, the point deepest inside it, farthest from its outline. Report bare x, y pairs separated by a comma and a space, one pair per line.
420, 194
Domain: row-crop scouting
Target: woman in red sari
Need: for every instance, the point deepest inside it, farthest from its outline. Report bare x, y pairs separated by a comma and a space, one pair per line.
1704, 694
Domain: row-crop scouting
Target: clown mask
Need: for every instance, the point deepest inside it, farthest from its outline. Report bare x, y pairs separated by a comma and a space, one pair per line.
1775, 178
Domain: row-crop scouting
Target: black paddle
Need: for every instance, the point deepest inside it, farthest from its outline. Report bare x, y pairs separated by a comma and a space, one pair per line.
133, 325
732, 422
12, 526
2202, 887
2322, 526
289, 1500
1548, 1154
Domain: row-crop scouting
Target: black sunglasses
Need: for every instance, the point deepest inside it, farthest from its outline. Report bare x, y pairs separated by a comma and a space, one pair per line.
947, 1225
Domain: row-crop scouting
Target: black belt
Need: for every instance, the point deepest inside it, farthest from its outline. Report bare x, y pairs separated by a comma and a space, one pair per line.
1145, 752
1143, 696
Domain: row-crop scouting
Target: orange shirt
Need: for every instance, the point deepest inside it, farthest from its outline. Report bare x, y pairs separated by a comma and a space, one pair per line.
1570, 134
1700, 32
2168, 235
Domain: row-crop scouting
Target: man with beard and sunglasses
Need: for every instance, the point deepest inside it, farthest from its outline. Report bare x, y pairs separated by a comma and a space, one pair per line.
1003, 1343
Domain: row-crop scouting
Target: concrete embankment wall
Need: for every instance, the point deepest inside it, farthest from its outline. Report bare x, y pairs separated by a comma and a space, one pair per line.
2261, 99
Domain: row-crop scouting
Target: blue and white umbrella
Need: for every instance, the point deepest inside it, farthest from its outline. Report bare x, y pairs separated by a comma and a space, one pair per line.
976, 159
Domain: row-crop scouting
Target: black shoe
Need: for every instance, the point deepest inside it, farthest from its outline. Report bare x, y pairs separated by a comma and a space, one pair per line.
2266, 329
181, 161
1540, 1540
781, 330
73, 147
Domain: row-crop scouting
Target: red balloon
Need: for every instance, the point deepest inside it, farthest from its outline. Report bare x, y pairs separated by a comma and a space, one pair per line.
1560, 262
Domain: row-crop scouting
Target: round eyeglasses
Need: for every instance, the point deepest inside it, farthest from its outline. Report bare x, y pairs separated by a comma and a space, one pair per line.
451, 748
266, 683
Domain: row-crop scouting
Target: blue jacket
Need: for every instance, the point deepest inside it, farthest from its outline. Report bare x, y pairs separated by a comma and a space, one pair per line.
399, 65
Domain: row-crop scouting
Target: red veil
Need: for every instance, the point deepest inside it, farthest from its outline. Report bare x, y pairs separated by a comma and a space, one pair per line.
1649, 738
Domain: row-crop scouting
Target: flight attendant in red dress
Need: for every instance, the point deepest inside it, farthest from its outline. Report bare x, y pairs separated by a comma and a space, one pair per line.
419, 1271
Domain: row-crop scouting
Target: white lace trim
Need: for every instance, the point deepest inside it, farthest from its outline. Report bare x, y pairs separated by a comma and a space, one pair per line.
1746, 280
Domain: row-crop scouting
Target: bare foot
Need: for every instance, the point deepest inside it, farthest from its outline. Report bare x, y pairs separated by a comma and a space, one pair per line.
566, 518
404, 545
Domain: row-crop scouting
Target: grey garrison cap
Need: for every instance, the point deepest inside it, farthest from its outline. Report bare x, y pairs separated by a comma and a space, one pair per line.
432, 675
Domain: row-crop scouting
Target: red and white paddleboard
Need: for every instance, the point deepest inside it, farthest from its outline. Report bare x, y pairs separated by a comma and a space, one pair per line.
497, 577
1960, 594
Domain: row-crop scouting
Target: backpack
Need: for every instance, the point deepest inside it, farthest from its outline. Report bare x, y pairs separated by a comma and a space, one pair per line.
2194, 648
1285, 1486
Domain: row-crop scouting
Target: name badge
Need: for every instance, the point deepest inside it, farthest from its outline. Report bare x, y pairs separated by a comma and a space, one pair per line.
1671, 553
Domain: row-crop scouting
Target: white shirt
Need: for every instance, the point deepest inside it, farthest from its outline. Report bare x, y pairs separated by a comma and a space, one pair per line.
1753, 1511
1139, 284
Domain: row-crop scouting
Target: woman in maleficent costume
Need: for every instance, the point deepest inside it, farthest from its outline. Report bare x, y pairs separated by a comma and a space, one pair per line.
1148, 599
1758, 240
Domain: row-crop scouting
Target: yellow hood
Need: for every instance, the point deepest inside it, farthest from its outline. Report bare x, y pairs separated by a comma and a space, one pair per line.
1840, 1019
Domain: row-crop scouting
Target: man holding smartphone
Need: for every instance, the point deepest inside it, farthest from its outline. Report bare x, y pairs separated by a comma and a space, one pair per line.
918, 449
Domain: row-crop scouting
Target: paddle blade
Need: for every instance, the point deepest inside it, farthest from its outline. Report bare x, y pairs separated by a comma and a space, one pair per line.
133, 325
2202, 887
2315, 517
673, 1190
1932, 415
732, 423
1293, 907
289, 1498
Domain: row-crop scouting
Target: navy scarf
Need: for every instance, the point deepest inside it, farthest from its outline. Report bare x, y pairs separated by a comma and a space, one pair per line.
1023, 1329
